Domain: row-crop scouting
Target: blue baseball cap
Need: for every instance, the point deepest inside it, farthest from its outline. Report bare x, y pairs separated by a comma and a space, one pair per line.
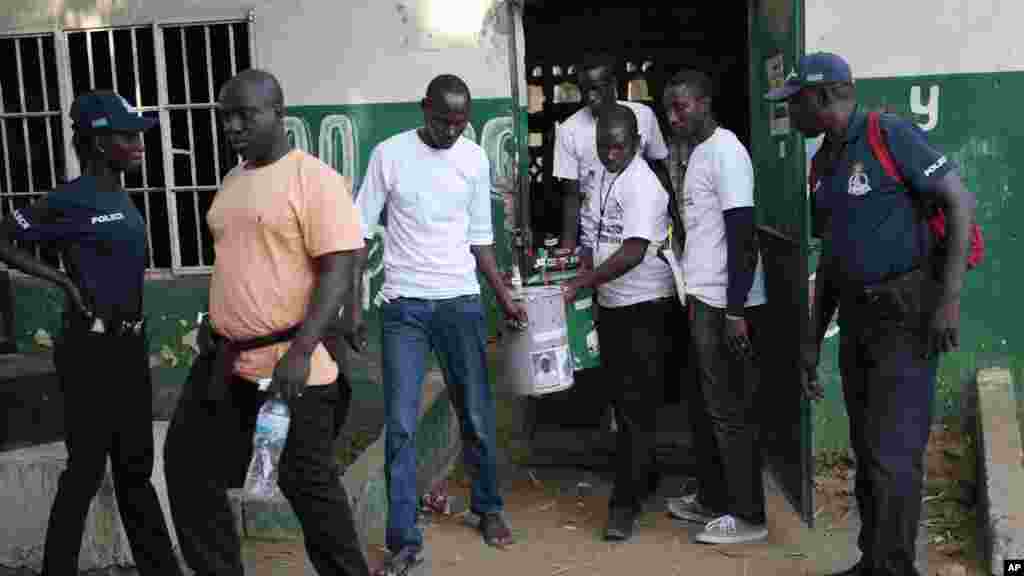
813, 69
107, 111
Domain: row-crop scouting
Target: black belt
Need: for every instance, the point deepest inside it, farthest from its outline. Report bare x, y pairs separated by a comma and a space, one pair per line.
108, 326
908, 297
226, 351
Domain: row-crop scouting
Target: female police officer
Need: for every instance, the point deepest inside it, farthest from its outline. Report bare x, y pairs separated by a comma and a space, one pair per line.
101, 355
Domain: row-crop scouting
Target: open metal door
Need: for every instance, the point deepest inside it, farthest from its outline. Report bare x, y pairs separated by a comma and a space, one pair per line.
776, 41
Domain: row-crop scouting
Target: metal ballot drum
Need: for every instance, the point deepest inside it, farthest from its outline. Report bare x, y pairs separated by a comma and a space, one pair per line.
537, 359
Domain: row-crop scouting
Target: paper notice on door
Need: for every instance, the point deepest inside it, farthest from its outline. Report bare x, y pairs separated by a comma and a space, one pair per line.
677, 274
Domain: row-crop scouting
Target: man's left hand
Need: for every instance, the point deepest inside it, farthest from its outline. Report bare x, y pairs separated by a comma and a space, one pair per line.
944, 333
513, 310
291, 374
738, 336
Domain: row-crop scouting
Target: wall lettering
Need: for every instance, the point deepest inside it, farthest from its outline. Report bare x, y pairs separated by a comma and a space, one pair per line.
929, 109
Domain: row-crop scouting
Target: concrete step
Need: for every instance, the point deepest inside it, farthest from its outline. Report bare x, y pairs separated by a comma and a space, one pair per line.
28, 486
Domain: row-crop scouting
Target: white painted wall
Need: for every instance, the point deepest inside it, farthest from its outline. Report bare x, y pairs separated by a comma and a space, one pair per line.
323, 51
883, 38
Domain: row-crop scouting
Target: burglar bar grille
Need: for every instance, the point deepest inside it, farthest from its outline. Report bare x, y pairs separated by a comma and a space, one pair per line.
198, 60
171, 71
31, 139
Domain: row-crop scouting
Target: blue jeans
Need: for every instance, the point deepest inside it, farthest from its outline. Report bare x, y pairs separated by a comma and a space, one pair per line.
455, 330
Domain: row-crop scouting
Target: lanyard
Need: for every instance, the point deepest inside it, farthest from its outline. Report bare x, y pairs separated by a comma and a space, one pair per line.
603, 197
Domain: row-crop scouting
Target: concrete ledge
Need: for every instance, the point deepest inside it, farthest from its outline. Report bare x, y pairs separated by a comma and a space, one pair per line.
28, 485
1000, 466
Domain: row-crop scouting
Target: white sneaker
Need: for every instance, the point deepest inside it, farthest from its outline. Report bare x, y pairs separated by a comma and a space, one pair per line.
731, 530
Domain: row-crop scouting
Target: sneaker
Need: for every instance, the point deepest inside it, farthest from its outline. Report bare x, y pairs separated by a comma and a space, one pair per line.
620, 525
731, 530
401, 564
689, 509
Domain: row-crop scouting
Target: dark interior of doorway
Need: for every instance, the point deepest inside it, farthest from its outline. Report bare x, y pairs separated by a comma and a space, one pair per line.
653, 42
650, 43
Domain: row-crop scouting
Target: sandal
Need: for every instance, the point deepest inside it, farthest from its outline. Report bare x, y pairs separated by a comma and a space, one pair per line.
495, 530
401, 564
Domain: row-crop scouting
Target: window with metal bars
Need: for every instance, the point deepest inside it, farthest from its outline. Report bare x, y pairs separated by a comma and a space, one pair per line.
171, 71
31, 135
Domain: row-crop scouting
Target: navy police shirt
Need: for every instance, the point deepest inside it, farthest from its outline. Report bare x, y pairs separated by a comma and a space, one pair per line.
102, 238
875, 231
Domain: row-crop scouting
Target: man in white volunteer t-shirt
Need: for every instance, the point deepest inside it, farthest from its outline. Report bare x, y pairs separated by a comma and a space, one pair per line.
725, 289
636, 301
575, 154
436, 188
575, 159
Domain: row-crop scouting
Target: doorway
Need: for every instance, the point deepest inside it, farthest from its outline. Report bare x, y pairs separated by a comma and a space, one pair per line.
734, 42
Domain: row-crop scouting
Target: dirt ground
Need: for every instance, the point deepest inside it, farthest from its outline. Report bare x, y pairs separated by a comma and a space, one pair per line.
559, 533
948, 513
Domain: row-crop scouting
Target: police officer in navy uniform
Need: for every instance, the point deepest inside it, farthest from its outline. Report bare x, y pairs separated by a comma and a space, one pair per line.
898, 298
102, 354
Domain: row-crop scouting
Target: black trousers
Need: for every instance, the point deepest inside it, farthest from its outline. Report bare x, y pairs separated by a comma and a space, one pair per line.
722, 417
889, 389
106, 416
635, 344
208, 450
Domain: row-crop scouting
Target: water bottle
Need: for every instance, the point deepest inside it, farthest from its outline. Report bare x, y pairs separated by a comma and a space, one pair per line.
268, 443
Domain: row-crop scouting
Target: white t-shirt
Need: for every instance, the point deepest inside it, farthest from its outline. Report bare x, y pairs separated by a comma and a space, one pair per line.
632, 204
575, 151
439, 204
719, 177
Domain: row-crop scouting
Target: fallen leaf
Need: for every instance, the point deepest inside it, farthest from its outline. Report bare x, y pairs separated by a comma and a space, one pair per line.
546, 507
796, 555
953, 570
732, 554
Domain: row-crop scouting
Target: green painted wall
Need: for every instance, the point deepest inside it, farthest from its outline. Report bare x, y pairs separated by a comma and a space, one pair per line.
965, 115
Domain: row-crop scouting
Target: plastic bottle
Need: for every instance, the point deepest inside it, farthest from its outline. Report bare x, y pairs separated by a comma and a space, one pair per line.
268, 444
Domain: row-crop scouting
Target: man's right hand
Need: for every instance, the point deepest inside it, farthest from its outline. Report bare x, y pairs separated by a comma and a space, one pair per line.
204, 335
813, 389
75, 295
353, 328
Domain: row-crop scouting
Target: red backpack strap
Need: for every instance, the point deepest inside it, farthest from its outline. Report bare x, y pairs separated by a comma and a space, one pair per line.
877, 142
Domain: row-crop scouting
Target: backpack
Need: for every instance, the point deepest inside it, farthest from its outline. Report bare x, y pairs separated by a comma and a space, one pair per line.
936, 218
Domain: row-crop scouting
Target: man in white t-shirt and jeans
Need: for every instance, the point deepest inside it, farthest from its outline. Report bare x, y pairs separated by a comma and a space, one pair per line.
437, 190
725, 296
637, 304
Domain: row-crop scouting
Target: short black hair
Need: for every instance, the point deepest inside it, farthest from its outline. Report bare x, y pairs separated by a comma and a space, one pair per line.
447, 84
264, 81
694, 79
599, 60
616, 114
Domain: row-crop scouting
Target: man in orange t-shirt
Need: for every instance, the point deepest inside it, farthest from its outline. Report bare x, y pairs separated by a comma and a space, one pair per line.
285, 231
